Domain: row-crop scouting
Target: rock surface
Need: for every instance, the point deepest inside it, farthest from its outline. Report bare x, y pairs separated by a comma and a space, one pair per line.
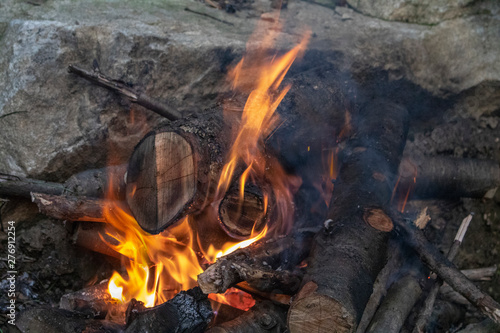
53, 124
424, 11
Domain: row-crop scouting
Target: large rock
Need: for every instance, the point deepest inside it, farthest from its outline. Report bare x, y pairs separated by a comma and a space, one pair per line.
53, 124
424, 11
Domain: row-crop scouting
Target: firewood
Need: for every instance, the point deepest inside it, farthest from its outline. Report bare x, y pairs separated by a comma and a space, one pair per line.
90, 183
396, 306
438, 263
447, 177
242, 216
258, 265
428, 306
264, 317
188, 311
92, 236
174, 170
94, 300
64, 207
121, 88
355, 237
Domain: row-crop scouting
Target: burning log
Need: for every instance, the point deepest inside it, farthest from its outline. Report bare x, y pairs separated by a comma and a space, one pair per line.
64, 207
174, 170
188, 311
92, 236
264, 317
242, 216
446, 177
89, 183
257, 265
355, 237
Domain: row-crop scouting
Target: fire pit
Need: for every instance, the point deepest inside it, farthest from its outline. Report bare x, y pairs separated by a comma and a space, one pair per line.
310, 181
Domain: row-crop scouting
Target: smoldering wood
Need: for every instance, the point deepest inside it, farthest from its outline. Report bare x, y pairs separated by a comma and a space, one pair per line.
264, 317
92, 236
90, 183
258, 265
98, 78
438, 263
64, 207
188, 311
396, 306
223, 313
445, 316
242, 216
447, 177
174, 170
355, 237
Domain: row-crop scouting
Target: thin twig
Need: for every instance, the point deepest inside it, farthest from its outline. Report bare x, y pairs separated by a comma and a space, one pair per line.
438, 263
121, 88
428, 306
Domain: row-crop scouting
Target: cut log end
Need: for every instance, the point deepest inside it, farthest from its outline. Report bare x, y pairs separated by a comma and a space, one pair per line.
378, 219
240, 217
321, 313
161, 180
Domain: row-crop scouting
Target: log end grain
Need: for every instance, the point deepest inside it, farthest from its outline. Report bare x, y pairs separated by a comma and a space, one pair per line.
161, 180
378, 219
312, 311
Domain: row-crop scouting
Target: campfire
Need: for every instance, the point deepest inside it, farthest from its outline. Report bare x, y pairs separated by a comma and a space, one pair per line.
285, 206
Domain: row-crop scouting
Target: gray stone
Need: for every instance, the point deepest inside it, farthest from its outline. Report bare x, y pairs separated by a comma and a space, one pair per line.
53, 124
424, 11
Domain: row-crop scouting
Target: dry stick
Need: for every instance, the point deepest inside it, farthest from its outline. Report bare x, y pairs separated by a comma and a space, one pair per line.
119, 87
438, 263
426, 310
70, 208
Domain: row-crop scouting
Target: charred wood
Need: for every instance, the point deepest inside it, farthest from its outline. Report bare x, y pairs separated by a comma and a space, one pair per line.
264, 317
92, 236
188, 311
355, 237
94, 300
258, 265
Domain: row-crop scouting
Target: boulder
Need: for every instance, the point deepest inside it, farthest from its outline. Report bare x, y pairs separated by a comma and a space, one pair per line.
53, 124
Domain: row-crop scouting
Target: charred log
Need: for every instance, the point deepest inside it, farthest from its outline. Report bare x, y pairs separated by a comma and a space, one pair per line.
188, 311
242, 216
257, 265
92, 236
355, 237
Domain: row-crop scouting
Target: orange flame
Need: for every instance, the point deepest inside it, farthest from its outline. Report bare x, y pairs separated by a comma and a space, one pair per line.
261, 79
159, 266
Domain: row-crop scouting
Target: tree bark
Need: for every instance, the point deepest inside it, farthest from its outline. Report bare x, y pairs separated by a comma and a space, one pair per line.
350, 252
